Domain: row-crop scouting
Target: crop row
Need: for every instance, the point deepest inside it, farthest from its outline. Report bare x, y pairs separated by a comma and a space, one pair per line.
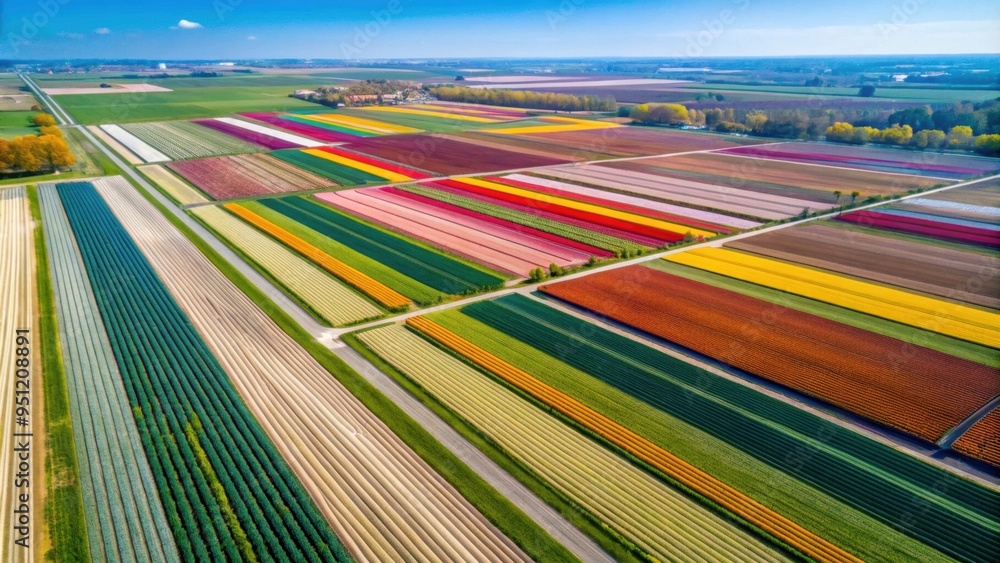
383, 501
299, 127
924, 393
226, 491
128, 155
135, 144
661, 231
363, 283
557, 125
938, 270
871, 158
125, 517
675, 468
365, 127
259, 135
247, 175
427, 266
458, 231
179, 190
722, 197
709, 220
333, 301
446, 155
809, 507
982, 441
649, 513
934, 229
935, 315
184, 139
17, 372
955, 516
596, 239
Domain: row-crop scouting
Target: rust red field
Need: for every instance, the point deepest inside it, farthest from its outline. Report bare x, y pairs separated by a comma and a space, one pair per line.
982, 441
916, 390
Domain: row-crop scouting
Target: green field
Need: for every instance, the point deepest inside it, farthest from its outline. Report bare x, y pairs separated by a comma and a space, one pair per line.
190, 98
425, 122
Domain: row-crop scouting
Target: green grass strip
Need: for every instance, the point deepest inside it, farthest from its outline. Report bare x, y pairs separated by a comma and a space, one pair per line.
64, 514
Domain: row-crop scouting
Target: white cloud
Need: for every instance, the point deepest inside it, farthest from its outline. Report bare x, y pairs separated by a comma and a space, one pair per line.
102, 31
186, 24
252, 38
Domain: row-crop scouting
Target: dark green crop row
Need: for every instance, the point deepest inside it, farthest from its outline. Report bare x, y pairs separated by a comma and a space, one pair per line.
953, 515
172, 380
342, 175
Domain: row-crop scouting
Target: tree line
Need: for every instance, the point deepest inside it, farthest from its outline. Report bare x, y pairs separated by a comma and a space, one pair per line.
45, 152
965, 126
524, 99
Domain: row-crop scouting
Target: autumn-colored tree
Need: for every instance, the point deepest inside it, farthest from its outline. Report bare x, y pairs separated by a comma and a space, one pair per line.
988, 145
896, 135
23, 155
53, 130
52, 152
43, 120
929, 139
840, 132
755, 120
960, 137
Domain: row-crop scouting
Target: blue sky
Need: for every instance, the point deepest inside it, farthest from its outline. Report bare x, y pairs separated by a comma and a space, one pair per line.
184, 29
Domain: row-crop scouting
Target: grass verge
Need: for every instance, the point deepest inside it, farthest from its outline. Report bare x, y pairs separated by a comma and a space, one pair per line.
64, 513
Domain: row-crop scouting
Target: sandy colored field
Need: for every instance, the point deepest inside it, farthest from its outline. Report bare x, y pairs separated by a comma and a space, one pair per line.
741, 170
17, 305
115, 89
331, 299
381, 499
946, 272
178, 190
115, 145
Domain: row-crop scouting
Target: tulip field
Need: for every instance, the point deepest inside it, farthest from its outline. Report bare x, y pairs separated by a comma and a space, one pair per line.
660, 520
226, 491
229, 177
929, 225
381, 501
185, 139
125, 518
178, 190
266, 137
18, 365
334, 302
982, 441
330, 323
944, 167
390, 269
719, 437
935, 315
348, 169
797, 350
951, 273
